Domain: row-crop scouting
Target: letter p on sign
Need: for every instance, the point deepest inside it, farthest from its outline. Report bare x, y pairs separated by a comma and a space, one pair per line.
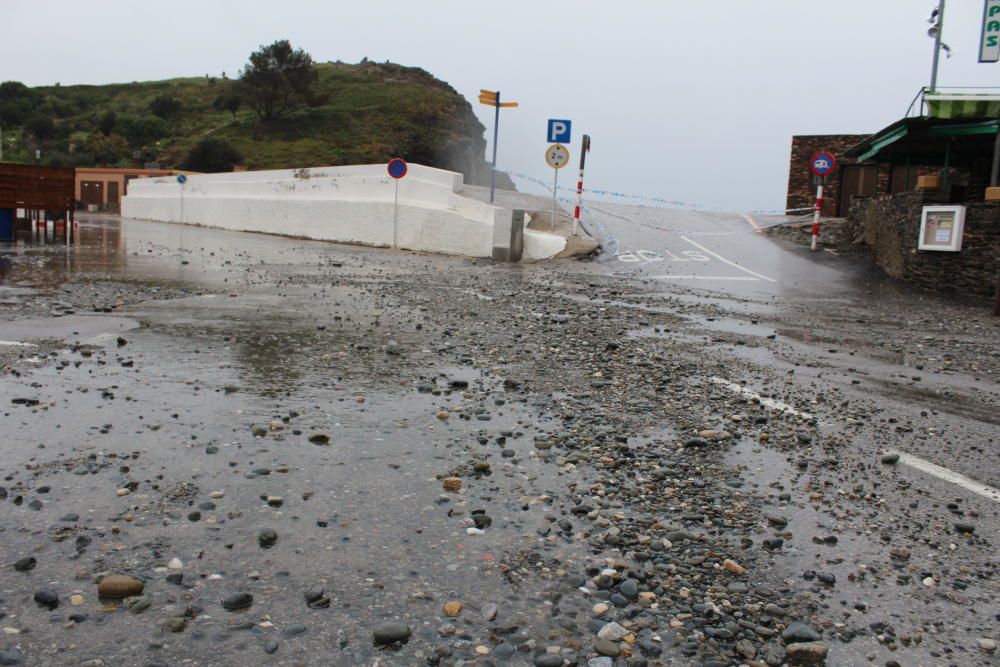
559, 131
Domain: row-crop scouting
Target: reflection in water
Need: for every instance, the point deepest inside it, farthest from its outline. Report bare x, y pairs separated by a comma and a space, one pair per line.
33, 263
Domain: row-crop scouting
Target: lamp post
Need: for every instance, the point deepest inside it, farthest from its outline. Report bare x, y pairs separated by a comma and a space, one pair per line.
937, 27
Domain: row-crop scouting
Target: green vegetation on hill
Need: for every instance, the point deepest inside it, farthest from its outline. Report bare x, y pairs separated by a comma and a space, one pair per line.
364, 113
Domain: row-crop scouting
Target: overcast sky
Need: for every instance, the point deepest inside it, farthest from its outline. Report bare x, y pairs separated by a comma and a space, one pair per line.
690, 100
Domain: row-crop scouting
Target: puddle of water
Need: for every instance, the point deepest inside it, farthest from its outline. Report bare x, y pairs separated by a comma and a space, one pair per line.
364, 515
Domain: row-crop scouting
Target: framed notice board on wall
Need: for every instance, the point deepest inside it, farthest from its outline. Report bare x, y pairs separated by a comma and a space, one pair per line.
941, 228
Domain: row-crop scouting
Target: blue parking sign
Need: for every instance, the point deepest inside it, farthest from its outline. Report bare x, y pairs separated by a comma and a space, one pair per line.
559, 131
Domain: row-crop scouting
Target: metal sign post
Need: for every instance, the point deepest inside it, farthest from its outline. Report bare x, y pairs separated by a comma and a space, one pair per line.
584, 149
491, 98
557, 157
397, 170
822, 164
182, 179
819, 206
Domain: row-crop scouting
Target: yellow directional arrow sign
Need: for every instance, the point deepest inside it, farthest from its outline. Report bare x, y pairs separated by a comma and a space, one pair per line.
491, 98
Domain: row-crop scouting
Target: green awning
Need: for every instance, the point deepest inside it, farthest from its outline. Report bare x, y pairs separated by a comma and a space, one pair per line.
965, 129
883, 141
962, 106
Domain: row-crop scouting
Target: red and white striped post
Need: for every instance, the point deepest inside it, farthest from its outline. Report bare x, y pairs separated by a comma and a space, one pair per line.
584, 149
821, 164
819, 206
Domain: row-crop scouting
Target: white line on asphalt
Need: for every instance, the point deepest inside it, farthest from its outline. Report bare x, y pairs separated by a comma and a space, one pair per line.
768, 402
984, 490
14, 343
726, 261
692, 277
753, 223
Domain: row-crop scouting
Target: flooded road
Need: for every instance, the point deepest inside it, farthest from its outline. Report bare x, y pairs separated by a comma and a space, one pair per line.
311, 454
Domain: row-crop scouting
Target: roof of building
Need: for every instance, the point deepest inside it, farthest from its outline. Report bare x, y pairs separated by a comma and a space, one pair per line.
925, 140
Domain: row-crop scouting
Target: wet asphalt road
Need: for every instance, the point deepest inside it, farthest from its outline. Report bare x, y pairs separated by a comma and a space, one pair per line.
226, 332
724, 252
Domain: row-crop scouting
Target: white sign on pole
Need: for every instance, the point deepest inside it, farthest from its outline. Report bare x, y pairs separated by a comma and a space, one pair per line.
557, 156
989, 45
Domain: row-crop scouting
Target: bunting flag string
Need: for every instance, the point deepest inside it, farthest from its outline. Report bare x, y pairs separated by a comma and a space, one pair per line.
674, 203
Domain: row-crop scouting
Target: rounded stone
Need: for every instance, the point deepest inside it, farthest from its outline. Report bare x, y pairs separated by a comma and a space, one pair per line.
548, 660
799, 633
11, 656
267, 538
607, 647
630, 589
389, 632
119, 586
47, 598
452, 608
808, 653
294, 630
25, 564
237, 601
503, 650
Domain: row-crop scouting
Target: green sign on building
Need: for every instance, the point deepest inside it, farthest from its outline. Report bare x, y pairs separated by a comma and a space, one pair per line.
989, 45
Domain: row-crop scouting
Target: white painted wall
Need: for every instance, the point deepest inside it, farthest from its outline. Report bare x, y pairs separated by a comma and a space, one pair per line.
346, 204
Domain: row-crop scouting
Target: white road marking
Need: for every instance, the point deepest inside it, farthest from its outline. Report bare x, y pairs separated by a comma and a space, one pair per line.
726, 261
984, 490
693, 277
753, 223
958, 479
768, 402
14, 343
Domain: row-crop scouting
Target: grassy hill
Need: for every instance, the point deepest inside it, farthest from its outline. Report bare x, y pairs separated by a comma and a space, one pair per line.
362, 113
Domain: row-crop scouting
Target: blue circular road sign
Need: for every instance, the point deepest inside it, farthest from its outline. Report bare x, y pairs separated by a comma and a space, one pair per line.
397, 167
182, 179
822, 163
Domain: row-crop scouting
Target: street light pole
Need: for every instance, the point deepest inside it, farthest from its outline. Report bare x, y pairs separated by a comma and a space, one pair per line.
938, 29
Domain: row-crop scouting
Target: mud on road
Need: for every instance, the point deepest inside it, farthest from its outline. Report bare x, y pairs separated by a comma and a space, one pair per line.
297, 453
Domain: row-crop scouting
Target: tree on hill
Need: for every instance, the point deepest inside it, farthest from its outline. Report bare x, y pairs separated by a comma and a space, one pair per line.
107, 150
17, 102
165, 106
212, 156
144, 130
277, 78
230, 101
43, 127
107, 122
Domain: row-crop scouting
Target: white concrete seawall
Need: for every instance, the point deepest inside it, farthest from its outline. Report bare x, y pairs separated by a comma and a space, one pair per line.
351, 204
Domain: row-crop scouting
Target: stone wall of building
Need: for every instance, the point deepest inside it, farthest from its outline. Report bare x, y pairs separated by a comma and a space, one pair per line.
801, 189
890, 226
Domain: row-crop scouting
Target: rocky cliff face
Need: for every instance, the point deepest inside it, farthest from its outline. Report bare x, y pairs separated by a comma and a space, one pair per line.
451, 136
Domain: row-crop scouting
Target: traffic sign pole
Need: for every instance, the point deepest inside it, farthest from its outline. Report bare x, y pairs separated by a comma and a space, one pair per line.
491, 98
822, 164
557, 157
397, 170
496, 131
819, 205
584, 149
395, 215
555, 192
